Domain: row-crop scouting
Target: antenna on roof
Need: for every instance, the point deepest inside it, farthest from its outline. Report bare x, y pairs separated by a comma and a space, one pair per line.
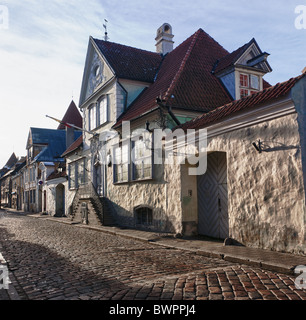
106, 38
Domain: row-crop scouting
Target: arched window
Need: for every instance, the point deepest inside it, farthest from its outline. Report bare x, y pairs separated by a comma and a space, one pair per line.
144, 216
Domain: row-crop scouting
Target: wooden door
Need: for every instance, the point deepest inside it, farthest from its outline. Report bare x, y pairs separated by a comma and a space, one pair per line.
212, 198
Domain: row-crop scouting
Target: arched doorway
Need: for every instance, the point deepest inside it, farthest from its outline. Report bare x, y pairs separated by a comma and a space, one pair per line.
212, 198
60, 201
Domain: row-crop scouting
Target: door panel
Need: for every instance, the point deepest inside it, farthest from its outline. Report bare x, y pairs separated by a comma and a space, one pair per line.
212, 198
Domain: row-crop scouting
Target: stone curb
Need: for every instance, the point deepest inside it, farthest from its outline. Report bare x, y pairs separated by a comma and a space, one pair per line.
11, 291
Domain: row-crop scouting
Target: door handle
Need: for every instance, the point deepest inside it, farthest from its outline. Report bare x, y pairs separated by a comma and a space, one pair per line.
219, 203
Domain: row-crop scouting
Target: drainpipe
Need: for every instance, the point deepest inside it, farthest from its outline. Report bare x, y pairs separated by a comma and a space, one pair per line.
159, 101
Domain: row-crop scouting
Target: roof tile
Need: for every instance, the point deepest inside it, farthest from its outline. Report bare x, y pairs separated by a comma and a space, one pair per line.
130, 63
184, 79
267, 95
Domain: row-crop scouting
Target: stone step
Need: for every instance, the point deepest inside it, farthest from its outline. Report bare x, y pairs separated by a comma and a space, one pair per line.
96, 216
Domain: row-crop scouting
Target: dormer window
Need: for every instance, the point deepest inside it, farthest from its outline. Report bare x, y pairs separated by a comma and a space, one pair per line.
249, 84
242, 71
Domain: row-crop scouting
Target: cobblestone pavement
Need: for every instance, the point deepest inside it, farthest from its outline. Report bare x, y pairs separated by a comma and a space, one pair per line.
51, 260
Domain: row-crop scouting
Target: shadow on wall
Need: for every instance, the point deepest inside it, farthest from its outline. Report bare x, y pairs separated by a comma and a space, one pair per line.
270, 146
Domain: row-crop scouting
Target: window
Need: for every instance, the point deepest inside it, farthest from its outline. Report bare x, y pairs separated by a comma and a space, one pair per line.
244, 80
249, 83
98, 113
254, 82
92, 117
71, 172
81, 171
97, 71
142, 160
244, 93
141, 165
121, 164
32, 196
144, 216
76, 172
103, 112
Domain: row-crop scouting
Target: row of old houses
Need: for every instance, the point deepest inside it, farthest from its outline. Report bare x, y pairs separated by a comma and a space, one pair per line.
24, 181
248, 135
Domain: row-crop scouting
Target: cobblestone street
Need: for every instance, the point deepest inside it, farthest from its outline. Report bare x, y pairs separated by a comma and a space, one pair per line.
51, 260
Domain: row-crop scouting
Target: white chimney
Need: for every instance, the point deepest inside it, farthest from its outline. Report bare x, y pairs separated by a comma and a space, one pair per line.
164, 43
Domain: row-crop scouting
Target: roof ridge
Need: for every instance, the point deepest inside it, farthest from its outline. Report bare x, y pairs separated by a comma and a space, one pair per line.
126, 46
184, 61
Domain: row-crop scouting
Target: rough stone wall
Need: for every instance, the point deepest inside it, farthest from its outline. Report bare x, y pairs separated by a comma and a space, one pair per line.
266, 202
163, 195
265, 191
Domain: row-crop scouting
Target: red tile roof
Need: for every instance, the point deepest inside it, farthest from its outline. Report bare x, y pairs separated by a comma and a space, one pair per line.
267, 95
72, 116
74, 146
185, 79
130, 63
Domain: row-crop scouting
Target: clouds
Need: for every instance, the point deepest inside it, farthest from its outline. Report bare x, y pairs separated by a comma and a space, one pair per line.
42, 54
42, 57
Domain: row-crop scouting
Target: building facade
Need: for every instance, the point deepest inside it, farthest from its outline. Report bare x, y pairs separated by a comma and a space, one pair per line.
252, 189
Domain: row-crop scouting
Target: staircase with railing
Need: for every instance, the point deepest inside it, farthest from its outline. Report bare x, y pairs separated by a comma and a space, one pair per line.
98, 208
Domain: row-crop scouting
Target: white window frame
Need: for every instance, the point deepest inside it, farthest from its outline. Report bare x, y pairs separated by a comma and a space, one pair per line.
103, 110
98, 113
92, 117
120, 162
249, 89
141, 159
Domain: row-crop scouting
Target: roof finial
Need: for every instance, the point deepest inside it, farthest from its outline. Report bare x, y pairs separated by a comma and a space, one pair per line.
106, 38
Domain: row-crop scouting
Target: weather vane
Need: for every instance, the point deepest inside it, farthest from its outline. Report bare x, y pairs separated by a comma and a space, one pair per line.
105, 27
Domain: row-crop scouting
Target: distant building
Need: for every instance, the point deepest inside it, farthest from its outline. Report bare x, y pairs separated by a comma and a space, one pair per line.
44, 157
6, 181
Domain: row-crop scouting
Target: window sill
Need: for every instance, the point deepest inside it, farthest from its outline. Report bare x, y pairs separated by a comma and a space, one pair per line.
133, 181
100, 126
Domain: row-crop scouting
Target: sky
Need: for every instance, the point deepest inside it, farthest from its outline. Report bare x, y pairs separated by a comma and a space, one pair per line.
43, 47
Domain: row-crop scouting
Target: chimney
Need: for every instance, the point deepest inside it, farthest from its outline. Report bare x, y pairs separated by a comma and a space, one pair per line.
164, 43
